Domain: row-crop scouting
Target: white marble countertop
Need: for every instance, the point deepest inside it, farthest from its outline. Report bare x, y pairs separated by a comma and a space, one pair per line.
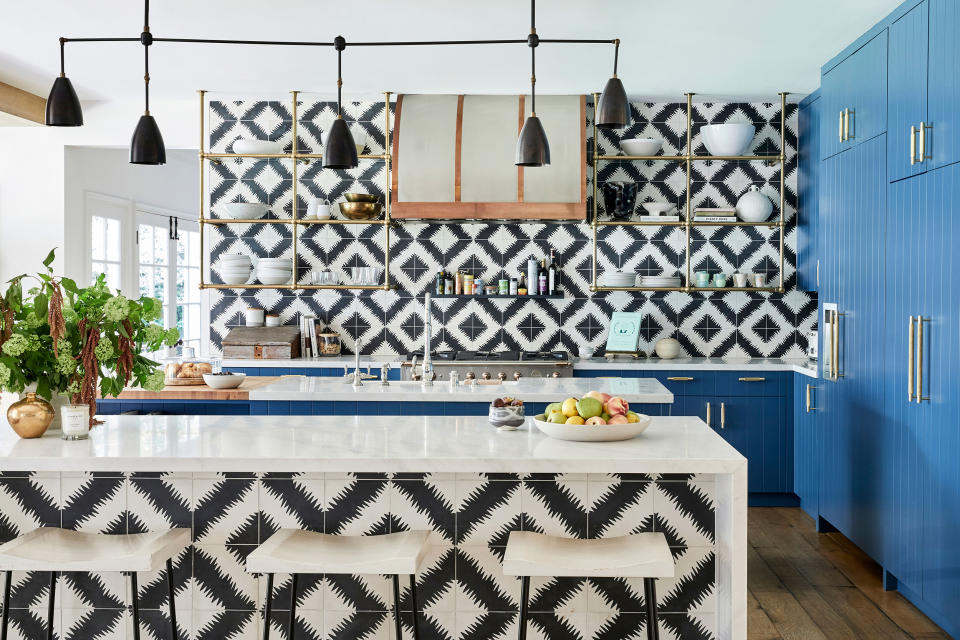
637, 390
798, 365
364, 444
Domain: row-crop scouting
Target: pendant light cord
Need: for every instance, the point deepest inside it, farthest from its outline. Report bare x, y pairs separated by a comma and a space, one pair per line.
616, 55
63, 71
339, 84
147, 39
533, 40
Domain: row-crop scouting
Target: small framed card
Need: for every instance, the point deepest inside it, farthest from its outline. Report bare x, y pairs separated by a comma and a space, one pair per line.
624, 334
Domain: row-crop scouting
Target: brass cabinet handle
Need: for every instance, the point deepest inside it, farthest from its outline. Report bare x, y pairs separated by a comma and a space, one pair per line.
723, 415
846, 124
923, 141
680, 378
913, 145
810, 406
753, 379
708, 414
910, 357
841, 126
920, 349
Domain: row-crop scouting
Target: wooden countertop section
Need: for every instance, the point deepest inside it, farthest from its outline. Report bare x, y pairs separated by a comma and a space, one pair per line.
200, 391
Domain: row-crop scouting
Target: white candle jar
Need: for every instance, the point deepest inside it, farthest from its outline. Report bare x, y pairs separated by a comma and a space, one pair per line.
75, 421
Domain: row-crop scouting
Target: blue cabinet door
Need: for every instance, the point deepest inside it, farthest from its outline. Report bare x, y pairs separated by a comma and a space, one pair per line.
808, 165
903, 418
944, 82
806, 443
907, 94
834, 92
940, 351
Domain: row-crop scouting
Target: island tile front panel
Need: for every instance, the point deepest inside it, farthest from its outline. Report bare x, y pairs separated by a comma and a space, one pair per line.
723, 324
462, 593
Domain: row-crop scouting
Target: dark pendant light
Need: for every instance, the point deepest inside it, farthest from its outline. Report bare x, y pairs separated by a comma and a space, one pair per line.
63, 105
146, 146
533, 150
340, 151
613, 110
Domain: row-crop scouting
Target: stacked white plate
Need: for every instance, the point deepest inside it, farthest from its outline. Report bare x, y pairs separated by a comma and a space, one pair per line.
618, 278
243, 210
274, 271
234, 268
659, 281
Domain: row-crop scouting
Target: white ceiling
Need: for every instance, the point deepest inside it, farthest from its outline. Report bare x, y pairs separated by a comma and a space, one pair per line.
746, 48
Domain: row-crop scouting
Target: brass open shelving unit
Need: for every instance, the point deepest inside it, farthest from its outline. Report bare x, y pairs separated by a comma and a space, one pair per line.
296, 158
689, 223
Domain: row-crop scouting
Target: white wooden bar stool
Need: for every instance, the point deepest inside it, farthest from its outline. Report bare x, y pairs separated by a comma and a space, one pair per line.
642, 555
55, 550
294, 551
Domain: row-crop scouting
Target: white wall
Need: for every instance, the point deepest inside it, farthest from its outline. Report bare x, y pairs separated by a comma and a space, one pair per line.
33, 181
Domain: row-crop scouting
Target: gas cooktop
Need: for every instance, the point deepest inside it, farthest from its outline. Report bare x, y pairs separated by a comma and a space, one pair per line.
494, 356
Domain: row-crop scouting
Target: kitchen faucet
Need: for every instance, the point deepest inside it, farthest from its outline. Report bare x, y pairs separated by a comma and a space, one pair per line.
427, 374
357, 376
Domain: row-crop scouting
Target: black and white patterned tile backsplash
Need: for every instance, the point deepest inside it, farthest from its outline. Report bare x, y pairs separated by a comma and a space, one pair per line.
462, 592
711, 324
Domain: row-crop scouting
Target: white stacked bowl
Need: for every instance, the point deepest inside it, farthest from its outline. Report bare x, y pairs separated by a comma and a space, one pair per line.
234, 268
274, 271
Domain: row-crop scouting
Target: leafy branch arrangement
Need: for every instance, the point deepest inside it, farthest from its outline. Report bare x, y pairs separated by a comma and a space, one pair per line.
79, 341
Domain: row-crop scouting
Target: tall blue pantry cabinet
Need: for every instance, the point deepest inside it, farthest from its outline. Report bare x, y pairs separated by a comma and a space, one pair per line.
886, 464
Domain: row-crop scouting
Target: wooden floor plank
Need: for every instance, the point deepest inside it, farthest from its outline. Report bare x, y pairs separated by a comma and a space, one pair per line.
808, 585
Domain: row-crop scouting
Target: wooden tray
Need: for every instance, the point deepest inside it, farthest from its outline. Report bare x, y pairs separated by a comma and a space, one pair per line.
183, 382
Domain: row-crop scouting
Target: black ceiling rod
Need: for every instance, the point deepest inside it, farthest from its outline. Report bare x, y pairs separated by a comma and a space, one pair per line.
146, 145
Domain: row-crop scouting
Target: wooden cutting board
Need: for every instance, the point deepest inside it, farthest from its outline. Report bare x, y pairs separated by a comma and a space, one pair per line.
200, 392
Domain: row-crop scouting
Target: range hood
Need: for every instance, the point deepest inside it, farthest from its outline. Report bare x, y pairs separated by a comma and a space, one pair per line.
453, 157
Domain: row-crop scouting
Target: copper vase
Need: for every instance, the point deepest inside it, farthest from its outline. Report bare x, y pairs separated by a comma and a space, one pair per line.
31, 416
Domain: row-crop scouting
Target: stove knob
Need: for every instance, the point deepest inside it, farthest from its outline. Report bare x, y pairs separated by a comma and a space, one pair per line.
555, 374
485, 375
501, 376
517, 375
471, 375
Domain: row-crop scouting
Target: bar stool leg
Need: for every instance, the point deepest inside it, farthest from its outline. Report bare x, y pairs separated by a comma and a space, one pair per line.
396, 606
524, 596
173, 605
7, 583
413, 605
53, 596
136, 605
293, 606
650, 595
266, 608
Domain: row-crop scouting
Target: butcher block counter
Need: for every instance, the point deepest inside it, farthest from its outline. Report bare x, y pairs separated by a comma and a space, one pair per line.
200, 391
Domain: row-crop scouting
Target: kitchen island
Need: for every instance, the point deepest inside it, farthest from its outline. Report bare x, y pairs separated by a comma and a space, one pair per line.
235, 480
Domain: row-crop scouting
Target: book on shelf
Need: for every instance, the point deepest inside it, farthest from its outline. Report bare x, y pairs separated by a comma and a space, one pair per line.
308, 336
716, 219
714, 211
660, 218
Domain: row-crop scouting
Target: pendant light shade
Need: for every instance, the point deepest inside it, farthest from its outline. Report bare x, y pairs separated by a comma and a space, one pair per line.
613, 110
533, 150
63, 105
340, 151
146, 146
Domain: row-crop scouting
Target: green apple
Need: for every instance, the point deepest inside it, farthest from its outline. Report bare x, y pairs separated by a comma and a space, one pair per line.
557, 417
553, 406
589, 407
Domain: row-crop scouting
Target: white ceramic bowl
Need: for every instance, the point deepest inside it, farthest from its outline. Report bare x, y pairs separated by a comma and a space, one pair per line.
274, 273
234, 258
231, 381
244, 210
667, 348
641, 146
273, 280
657, 208
727, 139
245, 146
235, 277
592, 433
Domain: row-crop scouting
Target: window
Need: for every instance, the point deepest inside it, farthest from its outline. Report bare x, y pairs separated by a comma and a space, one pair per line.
168, 269
107, 218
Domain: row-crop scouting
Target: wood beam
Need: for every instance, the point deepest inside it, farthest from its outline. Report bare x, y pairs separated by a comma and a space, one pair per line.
22, 104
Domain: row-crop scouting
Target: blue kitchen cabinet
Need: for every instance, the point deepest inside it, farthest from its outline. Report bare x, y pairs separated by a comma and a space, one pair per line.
806, 443
854, 95
943, 82
808, 165
907, 95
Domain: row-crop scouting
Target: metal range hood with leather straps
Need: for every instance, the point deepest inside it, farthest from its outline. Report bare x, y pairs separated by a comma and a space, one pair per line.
453, 157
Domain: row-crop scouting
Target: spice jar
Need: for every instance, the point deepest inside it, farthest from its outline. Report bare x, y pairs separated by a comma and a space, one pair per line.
328, 343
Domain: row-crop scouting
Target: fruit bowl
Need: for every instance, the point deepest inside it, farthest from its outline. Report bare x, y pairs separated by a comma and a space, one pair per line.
506, 414
592, 433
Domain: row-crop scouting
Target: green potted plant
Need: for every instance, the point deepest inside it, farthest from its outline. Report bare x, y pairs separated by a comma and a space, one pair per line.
78, 342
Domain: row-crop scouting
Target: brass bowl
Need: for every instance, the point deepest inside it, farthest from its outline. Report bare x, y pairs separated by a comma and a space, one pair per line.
360, 210
361, 197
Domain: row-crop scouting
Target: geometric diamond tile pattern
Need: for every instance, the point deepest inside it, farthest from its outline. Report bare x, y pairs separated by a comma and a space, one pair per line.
462, 592
732, 324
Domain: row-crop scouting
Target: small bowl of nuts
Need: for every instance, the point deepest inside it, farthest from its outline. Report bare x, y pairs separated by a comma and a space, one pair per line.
328, 344
506, 414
